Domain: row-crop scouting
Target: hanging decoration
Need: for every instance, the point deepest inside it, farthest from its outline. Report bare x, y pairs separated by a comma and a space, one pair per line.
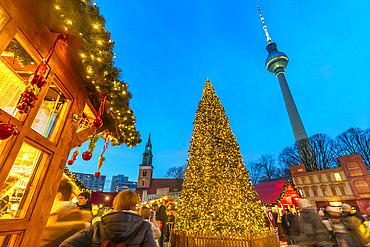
32, 91
87, 155
7, 130
37, 80
98, 122
102, 158
74, 155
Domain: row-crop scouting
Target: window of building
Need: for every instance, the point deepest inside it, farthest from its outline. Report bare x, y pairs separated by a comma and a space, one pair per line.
143, 183
342, 190
314, 190
333, 191
354, 169
319, 178
337, 176
362, 188
310, 179
323, 189
328, 177
144, 173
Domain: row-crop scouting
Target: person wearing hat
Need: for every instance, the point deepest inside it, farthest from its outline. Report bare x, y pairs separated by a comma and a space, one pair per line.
354, 230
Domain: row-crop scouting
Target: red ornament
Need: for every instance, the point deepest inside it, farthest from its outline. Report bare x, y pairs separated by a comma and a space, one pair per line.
70, 162
39, 80
7, 130
97, 174
86, 155
98, 122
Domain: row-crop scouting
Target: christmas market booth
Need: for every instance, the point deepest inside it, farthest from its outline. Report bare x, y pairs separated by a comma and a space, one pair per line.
169, 203
277, 196
59, 88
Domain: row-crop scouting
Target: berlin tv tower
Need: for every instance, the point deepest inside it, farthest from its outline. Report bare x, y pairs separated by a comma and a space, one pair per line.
276, 62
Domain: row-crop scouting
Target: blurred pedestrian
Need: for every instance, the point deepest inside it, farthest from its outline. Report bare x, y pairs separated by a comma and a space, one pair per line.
285, 225
313, 230
122, 226
65, 217
294, 231
340, 227
161, 216
355, 221
145, 212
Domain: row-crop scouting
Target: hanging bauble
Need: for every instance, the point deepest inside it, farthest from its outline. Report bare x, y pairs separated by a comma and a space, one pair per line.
97, 174
86, 155
37, 80
98, 122
7, 130
70, 162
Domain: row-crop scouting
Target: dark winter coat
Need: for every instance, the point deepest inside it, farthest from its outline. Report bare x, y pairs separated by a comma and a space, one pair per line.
284, 224
293, 222
162, 216
118, 226
87, 206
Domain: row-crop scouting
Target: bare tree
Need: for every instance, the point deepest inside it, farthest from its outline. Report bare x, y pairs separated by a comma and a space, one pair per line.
289, 157
268, 167
355, 140
176, 172
325, 151
254, 172
322, 145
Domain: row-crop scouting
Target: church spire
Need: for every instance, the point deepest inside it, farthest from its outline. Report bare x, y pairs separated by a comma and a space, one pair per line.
148, 146
147, 155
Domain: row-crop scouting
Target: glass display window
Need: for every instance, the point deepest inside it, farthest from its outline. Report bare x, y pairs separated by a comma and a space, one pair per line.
52, 113
16, 67
19, 187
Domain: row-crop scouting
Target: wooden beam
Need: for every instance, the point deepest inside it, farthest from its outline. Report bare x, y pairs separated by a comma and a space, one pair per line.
52, 177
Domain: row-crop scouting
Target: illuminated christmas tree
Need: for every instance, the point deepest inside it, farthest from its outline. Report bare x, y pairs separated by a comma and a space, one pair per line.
217, 194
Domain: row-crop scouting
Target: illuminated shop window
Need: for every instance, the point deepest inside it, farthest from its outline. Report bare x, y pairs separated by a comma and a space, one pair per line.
51, 114
16, 66
17, 192
337, 176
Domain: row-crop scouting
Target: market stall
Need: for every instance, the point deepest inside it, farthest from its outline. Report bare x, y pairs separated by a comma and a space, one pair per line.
59, 88
278, 196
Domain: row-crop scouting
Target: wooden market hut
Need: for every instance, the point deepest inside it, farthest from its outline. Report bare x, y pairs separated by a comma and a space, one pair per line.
278, 194
32, 162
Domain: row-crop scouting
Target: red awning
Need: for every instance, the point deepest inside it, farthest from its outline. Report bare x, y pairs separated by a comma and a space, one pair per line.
277, 192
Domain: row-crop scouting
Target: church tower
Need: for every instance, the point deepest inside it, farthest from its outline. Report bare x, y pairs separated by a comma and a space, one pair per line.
146, 168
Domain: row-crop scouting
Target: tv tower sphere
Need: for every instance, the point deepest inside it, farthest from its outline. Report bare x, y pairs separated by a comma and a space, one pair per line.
276, 59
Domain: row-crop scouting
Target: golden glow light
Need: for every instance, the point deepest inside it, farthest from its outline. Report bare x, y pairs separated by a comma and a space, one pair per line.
335, 204
337, 176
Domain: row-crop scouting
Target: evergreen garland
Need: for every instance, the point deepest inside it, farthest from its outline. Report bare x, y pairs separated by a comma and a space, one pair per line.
82, 19
283, 193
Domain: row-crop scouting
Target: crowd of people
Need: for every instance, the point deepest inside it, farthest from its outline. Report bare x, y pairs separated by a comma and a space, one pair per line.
81, 224
327, 227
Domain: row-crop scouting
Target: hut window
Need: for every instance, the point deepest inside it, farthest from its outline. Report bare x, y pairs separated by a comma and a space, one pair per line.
16, 67
17, 191
51, 113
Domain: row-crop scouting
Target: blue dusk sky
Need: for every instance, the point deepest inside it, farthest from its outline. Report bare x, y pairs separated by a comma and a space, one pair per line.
167, 49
